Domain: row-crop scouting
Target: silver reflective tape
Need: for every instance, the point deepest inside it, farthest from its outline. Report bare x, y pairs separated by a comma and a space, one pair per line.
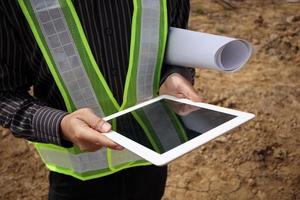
65, 54
90, 161
61, 159
124, 156
149, 45
80, 163
163, 126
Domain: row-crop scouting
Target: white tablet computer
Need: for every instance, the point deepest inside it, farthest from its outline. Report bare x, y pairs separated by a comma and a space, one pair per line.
170, 127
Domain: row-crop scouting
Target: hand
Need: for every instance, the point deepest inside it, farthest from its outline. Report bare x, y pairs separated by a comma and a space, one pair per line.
176, 85
84, 129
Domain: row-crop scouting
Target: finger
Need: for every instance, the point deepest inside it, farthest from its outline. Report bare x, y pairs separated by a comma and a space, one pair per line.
97, 123
91, 137
180, 96
102, 126
191, 93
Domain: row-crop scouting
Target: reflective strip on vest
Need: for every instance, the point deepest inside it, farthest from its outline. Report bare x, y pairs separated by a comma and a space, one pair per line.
65, 55
83, 162
120, 157
148, 48
60, 36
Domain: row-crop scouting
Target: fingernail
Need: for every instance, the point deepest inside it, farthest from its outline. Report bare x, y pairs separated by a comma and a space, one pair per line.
119, 147
106, 127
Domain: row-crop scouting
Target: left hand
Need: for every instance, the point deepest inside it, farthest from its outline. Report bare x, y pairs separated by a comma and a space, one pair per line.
176, 85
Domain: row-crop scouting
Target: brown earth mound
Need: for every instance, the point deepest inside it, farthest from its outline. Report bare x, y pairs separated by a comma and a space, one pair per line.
260, 160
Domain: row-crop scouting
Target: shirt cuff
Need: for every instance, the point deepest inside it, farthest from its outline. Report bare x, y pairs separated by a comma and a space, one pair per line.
187, 73
46, 126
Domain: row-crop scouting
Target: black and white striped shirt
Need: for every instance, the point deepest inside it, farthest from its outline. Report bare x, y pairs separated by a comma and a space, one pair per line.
107, 25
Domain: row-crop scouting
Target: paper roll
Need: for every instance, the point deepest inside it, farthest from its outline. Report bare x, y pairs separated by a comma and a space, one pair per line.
195, 49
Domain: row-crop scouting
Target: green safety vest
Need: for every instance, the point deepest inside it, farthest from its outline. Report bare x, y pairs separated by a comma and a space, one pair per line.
60, 36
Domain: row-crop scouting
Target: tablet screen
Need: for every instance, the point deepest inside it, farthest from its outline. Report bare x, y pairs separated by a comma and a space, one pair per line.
166, 124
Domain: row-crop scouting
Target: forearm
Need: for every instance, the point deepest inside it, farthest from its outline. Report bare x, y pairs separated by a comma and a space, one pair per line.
30, 119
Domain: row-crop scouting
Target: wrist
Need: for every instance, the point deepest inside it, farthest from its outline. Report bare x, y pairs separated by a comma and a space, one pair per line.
187, 73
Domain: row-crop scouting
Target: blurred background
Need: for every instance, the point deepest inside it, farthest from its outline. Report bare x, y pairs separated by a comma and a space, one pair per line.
260, 160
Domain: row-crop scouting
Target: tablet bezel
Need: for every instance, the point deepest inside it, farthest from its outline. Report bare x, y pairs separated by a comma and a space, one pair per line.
164, 158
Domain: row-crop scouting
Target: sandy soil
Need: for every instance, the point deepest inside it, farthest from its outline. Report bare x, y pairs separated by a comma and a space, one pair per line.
260, 160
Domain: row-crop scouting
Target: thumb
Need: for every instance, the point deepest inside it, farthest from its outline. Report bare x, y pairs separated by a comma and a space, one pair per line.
190, 93
94, 121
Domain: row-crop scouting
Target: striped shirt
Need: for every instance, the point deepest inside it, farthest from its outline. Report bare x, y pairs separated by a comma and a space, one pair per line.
107, 25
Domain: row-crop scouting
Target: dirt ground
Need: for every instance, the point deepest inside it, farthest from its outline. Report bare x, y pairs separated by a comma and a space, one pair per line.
260, 160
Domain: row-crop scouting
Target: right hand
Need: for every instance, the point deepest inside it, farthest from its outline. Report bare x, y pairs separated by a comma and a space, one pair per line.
84, 129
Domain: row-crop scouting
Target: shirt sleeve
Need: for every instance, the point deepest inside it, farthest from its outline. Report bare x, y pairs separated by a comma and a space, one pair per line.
179, 19
24, 115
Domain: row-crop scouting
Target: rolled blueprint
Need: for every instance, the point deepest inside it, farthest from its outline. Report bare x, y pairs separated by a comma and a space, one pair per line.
195, 49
